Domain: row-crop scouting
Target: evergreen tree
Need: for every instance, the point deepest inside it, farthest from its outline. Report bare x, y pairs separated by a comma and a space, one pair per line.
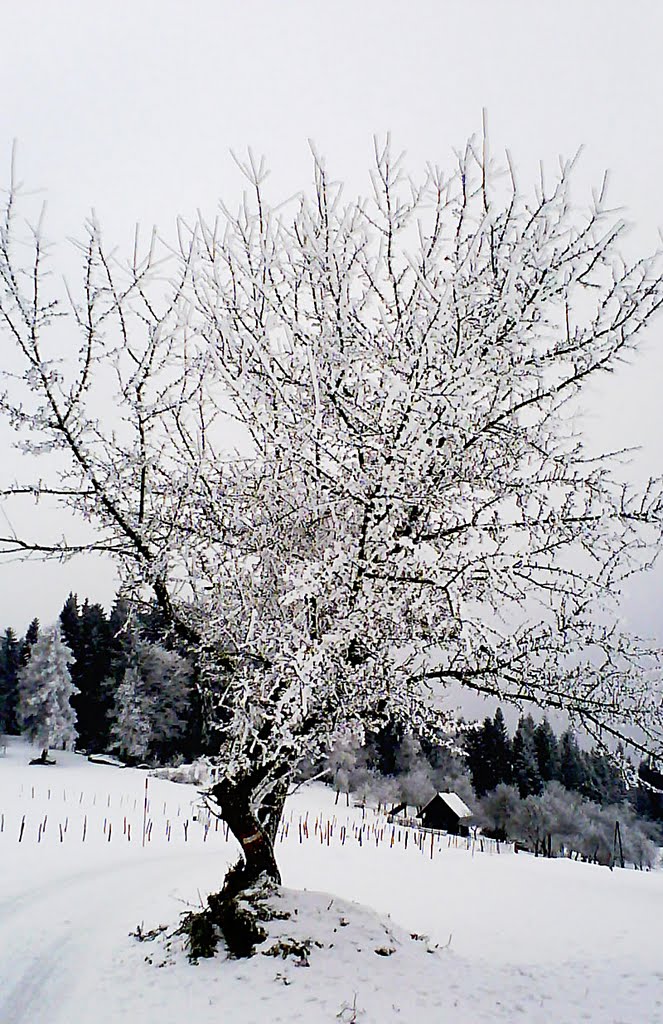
131, 729
648, 797
45, 713
122, 629
152, 624
603, 780
93, 668
167, 686
30, 638
159, 684
502, 749
489, 755
572, 772
526, 775
70, 622
547, 751
383, 746
9, 666
88, 633
474, 745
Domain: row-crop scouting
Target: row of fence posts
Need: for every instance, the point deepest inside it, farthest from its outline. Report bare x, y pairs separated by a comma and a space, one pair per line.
323, 829
365, 832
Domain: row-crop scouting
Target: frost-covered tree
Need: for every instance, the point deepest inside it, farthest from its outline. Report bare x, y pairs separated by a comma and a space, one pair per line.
345, 758
151, 703
131, 731
45, 689
563, 819
167, 685
334, 439
498, 810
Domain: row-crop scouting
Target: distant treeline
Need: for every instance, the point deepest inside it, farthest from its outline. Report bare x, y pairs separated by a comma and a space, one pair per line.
133, 691
122, 684
534, 786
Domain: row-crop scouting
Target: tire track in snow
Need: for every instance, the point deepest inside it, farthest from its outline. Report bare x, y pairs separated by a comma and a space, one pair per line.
58, 937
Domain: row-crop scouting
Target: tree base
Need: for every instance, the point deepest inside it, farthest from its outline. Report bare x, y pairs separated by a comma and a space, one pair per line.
43, 759
302, 929
237, 915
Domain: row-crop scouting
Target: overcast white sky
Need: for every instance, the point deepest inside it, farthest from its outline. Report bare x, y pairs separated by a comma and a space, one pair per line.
132, 106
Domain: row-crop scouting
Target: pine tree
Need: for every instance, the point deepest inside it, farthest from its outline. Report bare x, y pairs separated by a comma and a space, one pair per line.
87, 632
383, 746
70, 617
30, 638
121, 628
603, 779
572, 773
526, 774
9, 666
489, 755
157, 683
93, 668
45, 713
502, 749
648, 796
547, 751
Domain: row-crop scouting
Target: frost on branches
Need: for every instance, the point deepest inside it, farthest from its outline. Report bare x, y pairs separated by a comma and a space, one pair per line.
45, 714
151, 703
340, 453
131, 730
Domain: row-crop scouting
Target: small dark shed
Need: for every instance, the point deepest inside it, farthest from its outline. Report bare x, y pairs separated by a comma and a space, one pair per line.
403, 812
446, 811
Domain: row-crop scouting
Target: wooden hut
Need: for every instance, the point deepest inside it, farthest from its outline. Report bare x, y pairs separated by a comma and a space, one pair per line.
448, 813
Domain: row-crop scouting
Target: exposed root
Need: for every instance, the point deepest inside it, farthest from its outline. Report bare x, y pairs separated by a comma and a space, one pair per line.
237, 914
201, 934
141, 935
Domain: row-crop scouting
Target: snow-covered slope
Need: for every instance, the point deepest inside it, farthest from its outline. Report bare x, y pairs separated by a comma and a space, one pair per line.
509, 937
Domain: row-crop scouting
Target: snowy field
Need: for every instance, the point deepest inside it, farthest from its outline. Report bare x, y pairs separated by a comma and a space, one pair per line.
87, 855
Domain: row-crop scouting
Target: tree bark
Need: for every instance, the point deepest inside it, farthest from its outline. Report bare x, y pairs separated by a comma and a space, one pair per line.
255, 831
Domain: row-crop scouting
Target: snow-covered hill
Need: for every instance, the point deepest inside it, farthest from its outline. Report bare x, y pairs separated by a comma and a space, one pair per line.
499, 937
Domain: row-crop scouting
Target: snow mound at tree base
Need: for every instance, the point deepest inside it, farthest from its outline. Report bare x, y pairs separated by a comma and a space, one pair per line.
337, 958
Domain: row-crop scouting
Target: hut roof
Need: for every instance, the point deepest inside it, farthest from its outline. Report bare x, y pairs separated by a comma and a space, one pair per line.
455, 804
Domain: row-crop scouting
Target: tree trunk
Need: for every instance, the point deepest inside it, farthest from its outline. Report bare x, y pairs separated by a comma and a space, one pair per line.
255, 831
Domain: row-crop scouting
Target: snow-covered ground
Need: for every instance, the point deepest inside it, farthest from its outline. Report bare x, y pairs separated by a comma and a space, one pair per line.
499, 937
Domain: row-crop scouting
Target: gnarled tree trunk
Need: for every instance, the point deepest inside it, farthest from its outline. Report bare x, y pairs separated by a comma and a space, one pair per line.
254, 828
